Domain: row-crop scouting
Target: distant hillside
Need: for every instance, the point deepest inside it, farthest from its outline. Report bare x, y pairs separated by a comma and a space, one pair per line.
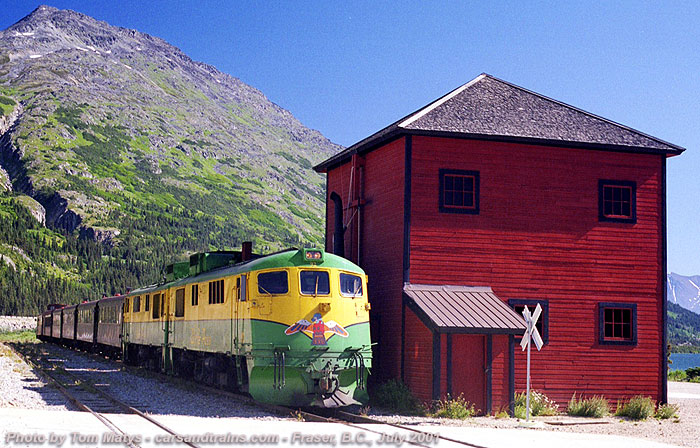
129, 154
684, 291
683, 329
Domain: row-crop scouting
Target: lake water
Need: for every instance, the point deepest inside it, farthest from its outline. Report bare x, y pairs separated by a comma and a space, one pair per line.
682, 361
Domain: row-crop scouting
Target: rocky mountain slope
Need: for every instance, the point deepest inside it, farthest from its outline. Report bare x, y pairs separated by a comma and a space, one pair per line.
120, 138
684, 291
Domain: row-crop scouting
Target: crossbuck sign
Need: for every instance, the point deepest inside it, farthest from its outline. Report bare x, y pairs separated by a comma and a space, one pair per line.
531, 335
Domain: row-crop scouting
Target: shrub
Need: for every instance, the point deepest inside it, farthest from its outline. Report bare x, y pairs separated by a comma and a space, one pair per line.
693, 373
540, 404
596, 406
395, 396
677, 375
637, 408
457, 408
666, 411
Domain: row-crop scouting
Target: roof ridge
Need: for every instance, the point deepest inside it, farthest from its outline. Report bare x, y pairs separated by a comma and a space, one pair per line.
585, 112
439, 102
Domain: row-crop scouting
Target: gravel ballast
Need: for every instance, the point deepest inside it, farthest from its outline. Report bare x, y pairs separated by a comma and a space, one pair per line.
17, 323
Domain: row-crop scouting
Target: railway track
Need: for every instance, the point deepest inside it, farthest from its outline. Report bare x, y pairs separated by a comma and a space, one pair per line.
91, 397
87, 395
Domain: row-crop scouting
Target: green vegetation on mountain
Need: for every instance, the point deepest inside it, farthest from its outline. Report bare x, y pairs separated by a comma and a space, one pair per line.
683, 329
119, 154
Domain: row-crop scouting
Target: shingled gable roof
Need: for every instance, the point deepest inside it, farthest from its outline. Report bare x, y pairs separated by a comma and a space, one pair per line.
491, 109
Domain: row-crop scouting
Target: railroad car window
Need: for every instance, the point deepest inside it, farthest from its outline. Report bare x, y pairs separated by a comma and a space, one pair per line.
314, 282
617, 201
126, 304
275, 282
195, 295
148, 303
156, 306
617, 323
180, 302
350, 285
459, 191
137, 304
216, 291
543, 322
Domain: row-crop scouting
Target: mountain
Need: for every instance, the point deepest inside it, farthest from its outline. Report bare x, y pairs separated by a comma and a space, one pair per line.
128, 154
684, 291
683, 329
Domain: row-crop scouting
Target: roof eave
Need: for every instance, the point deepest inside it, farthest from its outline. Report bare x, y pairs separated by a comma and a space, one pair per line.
371, 144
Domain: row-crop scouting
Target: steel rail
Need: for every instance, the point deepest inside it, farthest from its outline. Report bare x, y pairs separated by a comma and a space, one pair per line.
91, 389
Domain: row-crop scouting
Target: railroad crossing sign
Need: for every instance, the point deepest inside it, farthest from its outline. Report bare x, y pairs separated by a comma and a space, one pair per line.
531, 334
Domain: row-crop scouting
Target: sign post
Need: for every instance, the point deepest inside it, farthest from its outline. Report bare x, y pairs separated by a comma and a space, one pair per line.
531, 334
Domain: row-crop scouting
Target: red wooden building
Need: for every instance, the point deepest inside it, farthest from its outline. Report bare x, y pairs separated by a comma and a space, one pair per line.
491, 198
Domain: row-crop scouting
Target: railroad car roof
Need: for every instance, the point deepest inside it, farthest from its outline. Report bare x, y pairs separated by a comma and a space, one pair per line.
286, 258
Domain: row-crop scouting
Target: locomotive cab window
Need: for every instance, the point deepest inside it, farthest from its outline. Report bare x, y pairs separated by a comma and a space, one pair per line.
137, 304
147, 306
314, 282
350, 285
617, 201
156, 306
180, 302
275, 282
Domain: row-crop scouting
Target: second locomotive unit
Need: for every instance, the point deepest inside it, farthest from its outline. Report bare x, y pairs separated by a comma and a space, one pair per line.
289, 328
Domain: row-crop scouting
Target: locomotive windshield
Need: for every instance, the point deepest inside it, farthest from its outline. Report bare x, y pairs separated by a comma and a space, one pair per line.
315, 282
350, 285
273, 282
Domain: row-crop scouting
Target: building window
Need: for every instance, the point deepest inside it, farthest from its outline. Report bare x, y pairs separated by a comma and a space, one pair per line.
180, 302
459, 191
542, 324
195, 295
216, 292
617, 201
617, 323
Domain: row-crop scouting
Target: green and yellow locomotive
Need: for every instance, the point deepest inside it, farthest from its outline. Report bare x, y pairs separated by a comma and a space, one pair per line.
289, 328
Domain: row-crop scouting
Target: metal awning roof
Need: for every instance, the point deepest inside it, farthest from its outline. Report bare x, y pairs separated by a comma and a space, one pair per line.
462, 309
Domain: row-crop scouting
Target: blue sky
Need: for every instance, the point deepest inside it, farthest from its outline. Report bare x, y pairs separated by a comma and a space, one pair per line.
351, 68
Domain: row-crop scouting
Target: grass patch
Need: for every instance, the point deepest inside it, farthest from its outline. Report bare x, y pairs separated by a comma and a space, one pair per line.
18, 336
395, 396
637, 408
596, 406
677, 375
666, 411
540, 405
456, 408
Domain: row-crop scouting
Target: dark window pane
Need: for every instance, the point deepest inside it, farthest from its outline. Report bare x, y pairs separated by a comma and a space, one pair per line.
350, 285
469, 184
626, 209
458, 184
314, 282
449, 198
273, 282
449, 184
468, 200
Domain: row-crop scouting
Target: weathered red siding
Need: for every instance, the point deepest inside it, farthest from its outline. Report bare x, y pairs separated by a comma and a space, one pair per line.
381, 248
419, 358
537, 236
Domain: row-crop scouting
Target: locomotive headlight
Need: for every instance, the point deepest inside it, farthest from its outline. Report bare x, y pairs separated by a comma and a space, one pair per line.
313, 255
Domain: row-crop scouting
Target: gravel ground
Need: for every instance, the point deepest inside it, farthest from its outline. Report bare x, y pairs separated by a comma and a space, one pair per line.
682, 431
17, 323
20, 387
148, 392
